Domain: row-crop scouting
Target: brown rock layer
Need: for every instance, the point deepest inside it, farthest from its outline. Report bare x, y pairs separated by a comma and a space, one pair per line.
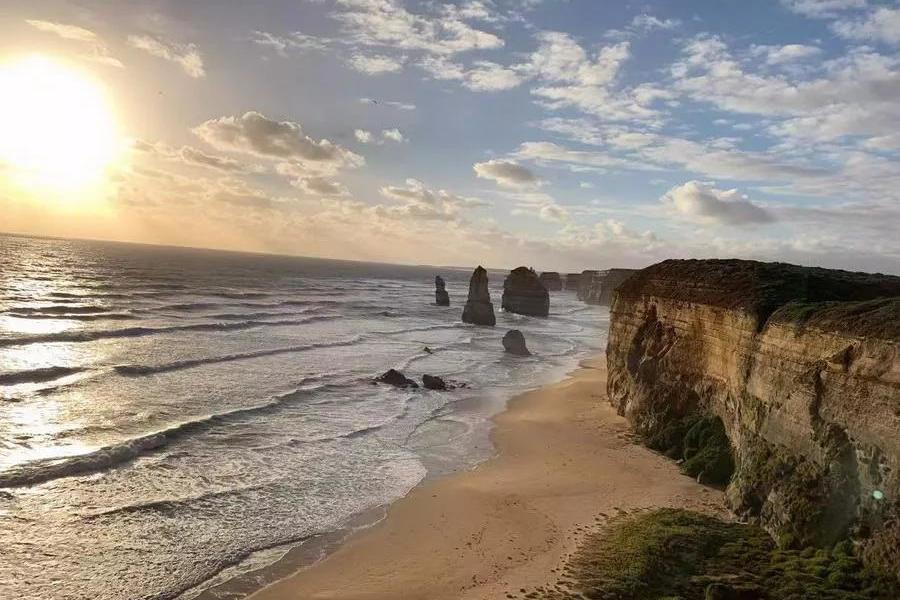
803, 368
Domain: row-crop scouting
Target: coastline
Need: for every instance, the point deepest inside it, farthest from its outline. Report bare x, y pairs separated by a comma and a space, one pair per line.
563, 460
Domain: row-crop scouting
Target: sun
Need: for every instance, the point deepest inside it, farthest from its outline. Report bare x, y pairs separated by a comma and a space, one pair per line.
58, 131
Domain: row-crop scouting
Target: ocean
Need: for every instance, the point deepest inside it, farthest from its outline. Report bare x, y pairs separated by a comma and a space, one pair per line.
171, 418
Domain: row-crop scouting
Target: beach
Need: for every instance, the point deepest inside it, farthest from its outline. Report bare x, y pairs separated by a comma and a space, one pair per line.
564, 462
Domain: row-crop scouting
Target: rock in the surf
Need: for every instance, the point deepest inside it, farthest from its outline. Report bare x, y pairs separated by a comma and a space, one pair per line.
552, 281
478, 309
441, 297
524, 294
397, 379
432, 382
514, 343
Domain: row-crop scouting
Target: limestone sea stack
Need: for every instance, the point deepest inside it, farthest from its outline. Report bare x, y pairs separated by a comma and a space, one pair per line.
552, 281
795, 368
524, 294
599, 287
478, 309
585, 284
514, 343
441, 297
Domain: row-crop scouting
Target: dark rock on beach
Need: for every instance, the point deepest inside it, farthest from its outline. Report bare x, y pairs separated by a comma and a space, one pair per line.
441, 297
433, 382
397, 379
478, 309
514, 343
524, 294
552, 281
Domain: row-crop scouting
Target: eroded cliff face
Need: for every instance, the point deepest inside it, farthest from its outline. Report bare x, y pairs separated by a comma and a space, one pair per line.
801, 365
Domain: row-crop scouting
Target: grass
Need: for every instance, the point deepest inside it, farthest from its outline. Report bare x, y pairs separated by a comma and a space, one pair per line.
701, 442
678, 554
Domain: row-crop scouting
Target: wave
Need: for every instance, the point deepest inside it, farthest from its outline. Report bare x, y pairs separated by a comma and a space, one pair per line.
110, 316
169, 505
57, 309
138, 370
37, 375
87, 336
43, 470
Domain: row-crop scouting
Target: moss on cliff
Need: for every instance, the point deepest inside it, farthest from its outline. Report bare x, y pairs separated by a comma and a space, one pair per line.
701, 442
671, 553
871, 318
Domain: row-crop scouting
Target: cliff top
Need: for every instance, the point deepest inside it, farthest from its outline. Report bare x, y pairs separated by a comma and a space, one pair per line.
762, 288
878, 318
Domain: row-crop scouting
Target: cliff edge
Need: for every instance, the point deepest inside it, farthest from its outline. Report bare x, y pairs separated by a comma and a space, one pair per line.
799, 368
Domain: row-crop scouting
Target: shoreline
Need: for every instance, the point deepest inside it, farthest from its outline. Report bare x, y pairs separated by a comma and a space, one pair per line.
563, 460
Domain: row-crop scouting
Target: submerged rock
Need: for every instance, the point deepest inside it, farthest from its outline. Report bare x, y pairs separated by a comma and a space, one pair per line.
441, 297
524, 294
514, 343
432, 382
397, 379
552, 281
478, 309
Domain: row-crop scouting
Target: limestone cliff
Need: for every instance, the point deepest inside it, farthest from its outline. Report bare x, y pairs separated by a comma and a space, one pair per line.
598, 287
802, 367
552, 281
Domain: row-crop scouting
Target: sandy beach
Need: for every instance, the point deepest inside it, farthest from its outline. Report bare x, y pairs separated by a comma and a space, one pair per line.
564, 460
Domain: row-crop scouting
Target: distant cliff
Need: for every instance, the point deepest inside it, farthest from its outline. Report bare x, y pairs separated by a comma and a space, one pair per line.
802, 367
598, 287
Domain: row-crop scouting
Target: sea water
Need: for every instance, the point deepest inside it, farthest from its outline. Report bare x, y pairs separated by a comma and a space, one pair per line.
167, 415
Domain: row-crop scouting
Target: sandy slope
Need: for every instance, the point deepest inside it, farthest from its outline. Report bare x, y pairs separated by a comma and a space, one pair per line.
565, 459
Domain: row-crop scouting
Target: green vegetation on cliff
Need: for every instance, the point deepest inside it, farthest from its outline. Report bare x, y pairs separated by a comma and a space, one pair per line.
702, 444
670, 554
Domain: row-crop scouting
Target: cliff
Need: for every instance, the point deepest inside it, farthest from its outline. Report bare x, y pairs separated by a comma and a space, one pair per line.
598, 287
552, 281
572, 280
799, 367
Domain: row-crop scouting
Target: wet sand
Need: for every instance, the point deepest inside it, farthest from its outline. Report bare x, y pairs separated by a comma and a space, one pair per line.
565, 460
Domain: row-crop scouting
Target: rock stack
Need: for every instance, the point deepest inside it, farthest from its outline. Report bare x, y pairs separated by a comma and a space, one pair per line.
598, 287
514, 343
572, 280
478, 309
586, 284
552, 281
523, 293
441, 297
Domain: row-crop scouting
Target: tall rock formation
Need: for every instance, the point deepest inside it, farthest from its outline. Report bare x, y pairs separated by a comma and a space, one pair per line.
478, 309
585, 284
441, 297
572, 280
802, 366
552, 281
523, 293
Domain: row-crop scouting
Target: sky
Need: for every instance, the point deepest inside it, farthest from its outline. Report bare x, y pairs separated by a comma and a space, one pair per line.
564, 134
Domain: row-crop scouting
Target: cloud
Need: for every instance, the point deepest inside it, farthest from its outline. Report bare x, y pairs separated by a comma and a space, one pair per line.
822, 8
363, 136
777, 55
185, 55
483, 76
376, 64
388, 23
295, 41
254, 133
393, 135
319, 186
190, 156
646, 22
701, 202
99, 52
416, 201
506, 173
880, 25
392, 104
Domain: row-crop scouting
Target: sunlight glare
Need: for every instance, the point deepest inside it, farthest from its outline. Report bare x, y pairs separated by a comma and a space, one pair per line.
58, 128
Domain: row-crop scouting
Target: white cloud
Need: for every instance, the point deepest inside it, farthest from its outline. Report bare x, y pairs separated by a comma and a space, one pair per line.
777, 55
295, 41
319, 186
880, 25
483, 76
506, 173
388, 23
376, 64
99, 52
416, 201
822, 8
701, 202
254, 133
393, 135
185, 55
392, 104
647, 22
363, 136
